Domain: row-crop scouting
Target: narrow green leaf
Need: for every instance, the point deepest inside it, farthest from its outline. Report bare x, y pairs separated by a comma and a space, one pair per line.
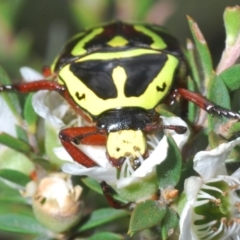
102, 216
51, 142
21, 134
192, 108
170, 222
21, 224
14, 143
193, 63
217, 92
14, 176
12, 159
10, 98
30, 115
168, 172
203, 51
231, 77
106, 236
146, 215
92, 184
187, 171
8, 194
232, 24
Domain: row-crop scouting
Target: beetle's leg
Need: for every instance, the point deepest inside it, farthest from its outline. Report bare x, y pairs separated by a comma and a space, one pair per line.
45, 85
108, 193
85, 135
34, 86
205, 104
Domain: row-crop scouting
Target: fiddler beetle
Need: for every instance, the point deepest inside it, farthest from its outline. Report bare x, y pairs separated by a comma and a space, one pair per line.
115, 75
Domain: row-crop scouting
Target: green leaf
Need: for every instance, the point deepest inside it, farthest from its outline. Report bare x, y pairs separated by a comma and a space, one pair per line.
231, 77
187, 171
232, 24
146, 215
21, 134
193, 63
217, 92
170, 222
51, 142
92, 184
168, 172
20, 224
106, 236
203, 51
10, 97
100, 217
11, 159
8, 194
192, 108
14, 143
30, 115
14, 176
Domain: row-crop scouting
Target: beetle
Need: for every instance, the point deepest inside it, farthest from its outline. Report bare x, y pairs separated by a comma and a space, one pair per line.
115, 75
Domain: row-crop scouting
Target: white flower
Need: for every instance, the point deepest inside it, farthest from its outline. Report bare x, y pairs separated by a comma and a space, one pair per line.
212, 207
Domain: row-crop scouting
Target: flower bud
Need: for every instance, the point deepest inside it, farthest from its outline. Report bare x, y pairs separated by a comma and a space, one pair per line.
57, 204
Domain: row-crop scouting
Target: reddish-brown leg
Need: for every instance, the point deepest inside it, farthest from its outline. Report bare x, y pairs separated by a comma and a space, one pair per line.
108, 193
84, 135
205, 104
50, 85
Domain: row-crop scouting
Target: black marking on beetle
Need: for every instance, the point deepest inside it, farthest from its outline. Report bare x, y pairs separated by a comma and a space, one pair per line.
140, 70
97, 76
161, 89
80, 97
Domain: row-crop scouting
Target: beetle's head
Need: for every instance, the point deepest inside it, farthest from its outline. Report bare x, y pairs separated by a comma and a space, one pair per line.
125, 143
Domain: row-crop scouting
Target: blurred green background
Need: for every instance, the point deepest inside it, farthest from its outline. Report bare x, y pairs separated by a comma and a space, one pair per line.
32, 32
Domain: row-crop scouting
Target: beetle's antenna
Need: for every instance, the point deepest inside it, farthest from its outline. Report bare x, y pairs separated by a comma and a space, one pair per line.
178, 129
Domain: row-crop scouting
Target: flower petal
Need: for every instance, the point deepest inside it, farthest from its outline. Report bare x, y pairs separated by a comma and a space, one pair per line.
30, 74
212, 163
191, 188
50, 106
7, 119
98, 173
